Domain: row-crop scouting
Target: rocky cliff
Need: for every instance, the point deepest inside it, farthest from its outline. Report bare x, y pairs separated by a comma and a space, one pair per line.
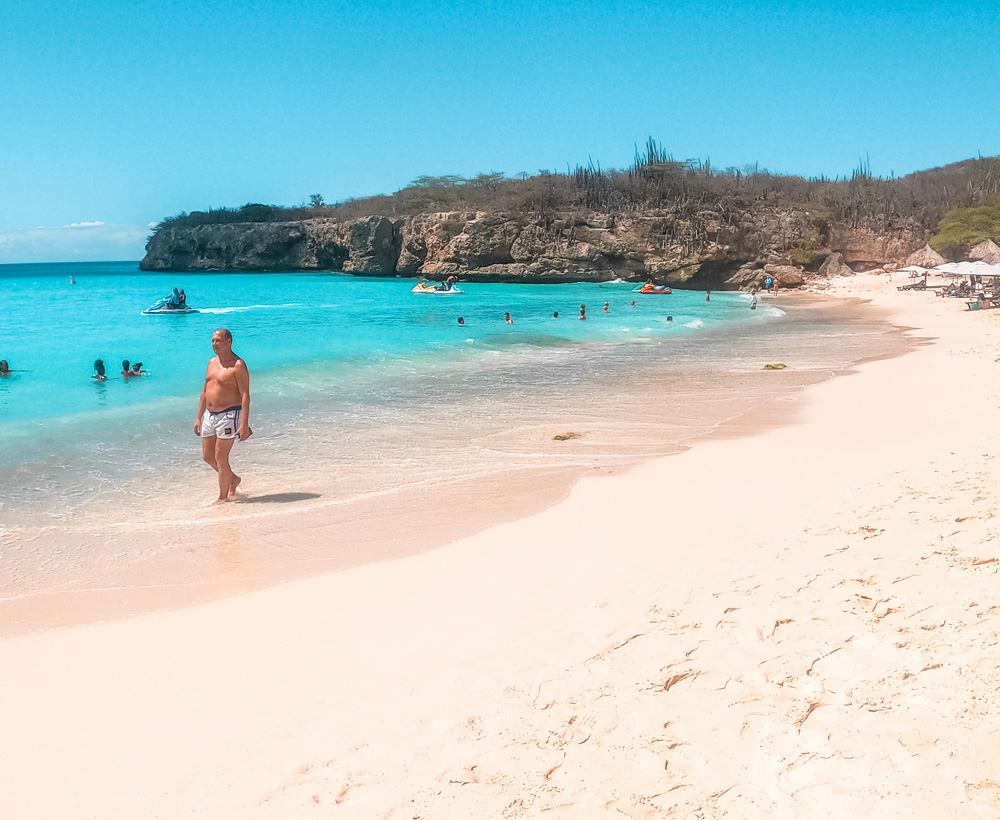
706, 250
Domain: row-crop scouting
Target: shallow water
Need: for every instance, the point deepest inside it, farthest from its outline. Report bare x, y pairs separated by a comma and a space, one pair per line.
371, 407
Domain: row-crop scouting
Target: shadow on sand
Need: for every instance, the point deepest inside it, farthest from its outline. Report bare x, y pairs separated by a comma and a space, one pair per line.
279, 498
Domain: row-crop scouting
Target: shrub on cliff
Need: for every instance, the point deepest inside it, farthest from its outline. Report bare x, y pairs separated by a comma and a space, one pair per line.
964, 228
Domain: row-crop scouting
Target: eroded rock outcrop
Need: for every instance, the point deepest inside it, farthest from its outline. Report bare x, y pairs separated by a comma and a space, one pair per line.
705, 249
835, 266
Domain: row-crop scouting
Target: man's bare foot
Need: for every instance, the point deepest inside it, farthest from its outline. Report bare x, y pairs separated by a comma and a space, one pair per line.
233, 485
220, 501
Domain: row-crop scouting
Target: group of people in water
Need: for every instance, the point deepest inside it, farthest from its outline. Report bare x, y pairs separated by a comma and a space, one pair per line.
129, 370
583, 311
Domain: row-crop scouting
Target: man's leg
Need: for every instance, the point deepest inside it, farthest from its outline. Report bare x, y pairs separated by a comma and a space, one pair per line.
228, 480
208, 452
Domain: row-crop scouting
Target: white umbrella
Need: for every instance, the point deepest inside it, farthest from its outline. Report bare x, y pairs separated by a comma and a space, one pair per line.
950, 267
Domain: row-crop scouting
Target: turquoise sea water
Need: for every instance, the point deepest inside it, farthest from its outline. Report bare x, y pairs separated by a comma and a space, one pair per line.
289, 327
315, 344
370, 407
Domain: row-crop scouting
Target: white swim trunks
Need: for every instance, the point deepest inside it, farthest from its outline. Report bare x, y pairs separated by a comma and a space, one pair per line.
224, 424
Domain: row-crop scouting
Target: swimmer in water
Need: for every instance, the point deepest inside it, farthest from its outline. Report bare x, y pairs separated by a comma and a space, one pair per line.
4, 368
461, 321
100, 374
607, 305
583, 313
507, 319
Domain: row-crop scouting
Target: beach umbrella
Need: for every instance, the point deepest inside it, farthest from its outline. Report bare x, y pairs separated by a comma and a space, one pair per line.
988, 252
950, 268
926, 257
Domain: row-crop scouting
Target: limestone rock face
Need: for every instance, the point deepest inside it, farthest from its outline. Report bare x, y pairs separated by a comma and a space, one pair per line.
701, 249
835, 266
275, 246
788, 276
867, 249
748, 277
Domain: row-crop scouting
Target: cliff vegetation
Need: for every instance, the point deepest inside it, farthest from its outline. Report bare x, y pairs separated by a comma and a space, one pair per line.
963, 228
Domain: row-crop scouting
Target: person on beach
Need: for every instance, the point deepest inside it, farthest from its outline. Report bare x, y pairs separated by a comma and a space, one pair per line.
4, 368
753, 302
507, 319
583, 313
607, 306
99, 375
223, 411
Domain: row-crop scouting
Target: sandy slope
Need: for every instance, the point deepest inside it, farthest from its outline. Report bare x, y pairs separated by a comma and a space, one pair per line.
800, 623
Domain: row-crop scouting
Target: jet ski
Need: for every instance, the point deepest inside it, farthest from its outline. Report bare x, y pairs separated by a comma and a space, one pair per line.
437, 290
165, 306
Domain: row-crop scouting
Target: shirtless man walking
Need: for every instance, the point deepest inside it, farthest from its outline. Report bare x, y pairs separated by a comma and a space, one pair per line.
223, 411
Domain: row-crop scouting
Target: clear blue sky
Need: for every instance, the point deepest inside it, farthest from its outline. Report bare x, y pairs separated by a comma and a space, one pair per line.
125, 112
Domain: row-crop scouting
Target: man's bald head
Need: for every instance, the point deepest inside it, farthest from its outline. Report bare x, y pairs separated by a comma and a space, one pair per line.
222, 340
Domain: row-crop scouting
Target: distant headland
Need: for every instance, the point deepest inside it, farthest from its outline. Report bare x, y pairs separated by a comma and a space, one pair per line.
682, 223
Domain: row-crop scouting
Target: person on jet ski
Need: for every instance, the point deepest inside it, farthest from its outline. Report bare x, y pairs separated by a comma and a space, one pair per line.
174, 299
449, 283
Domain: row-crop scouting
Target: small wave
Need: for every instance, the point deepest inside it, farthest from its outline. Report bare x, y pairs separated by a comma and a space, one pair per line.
242, 308
694, 323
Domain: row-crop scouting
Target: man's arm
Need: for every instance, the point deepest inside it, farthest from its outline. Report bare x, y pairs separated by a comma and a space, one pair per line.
202, 404
243, 382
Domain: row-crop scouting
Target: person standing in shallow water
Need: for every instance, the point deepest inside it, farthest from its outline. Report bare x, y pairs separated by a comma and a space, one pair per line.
223, 411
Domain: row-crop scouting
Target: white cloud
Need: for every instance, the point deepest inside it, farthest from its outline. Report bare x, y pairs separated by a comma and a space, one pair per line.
79, 242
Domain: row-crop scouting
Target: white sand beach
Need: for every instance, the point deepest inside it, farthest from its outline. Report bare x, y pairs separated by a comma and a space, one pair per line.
790, 620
